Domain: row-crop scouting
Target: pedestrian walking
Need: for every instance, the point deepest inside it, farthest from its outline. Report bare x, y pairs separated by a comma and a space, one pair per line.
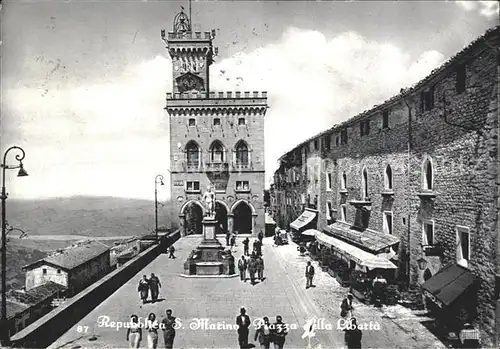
243, 322
260, 268
352, 335
246, 242
168, 327
228, 237
309, 274
154, 286
260, 236
346, 307
255, 247
233, 240
171, 251
263, 334
134, 332
252, 268
152, 329
279, 332
143, 289
242, 267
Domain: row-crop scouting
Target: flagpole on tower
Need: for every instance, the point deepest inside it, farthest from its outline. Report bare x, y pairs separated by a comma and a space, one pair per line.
190, 18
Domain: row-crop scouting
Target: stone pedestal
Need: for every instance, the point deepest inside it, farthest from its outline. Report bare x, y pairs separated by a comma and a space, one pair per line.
209, 258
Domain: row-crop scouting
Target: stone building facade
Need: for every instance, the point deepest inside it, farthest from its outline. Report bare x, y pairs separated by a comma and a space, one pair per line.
420, 172
216, 139
75, 267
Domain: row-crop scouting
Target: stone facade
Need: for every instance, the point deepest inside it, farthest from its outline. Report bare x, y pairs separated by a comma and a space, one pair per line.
216, 138
440, 139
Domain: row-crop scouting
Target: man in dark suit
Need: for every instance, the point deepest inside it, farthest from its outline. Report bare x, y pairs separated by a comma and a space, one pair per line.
243, 322
242, 267
309, 274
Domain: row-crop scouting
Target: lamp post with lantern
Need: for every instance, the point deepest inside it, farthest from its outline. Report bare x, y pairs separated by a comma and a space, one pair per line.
22, 173
158, 180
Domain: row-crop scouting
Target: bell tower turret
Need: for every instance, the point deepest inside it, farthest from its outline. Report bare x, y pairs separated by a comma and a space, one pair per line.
192, 54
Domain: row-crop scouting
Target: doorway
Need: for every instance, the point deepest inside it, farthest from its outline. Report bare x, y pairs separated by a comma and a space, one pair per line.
243, 218
221, 218
193, 219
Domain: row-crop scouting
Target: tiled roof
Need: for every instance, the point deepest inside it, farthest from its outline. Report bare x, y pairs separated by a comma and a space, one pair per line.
73, 256
369, 239
417, 86
39, 293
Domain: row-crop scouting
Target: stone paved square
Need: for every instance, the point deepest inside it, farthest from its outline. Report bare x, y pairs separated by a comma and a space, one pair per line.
218, 300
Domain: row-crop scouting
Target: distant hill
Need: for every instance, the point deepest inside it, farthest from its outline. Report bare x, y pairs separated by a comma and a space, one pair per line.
88, 216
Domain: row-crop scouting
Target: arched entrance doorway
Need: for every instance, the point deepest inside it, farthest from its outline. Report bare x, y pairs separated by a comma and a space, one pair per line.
242, 218
192, 219
221, 218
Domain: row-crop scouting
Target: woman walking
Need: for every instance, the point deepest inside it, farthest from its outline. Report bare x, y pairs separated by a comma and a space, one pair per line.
143, 288
152, 328
263, 334
134, 332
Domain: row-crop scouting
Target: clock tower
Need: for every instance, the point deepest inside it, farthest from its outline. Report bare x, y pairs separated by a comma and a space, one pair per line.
216, 139
192, 54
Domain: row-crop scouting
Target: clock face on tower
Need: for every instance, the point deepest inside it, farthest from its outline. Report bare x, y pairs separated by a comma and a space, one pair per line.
188, 82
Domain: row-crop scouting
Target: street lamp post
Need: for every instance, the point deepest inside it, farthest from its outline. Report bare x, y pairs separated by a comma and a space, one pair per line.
158, 180
3, 197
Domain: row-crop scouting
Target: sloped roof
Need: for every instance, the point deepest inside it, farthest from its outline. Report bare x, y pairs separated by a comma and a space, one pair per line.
463, 54
39, 293
73, 256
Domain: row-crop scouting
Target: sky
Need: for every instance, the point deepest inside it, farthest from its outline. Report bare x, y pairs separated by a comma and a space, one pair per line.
83, 83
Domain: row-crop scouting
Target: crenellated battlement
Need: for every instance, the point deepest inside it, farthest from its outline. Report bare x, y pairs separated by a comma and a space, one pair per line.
218, 95
189, 36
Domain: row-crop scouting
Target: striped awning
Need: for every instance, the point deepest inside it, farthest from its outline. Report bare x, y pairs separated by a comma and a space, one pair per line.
355, 254
304, 219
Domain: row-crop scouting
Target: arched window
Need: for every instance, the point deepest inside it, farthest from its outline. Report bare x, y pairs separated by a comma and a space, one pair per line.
388, 178
344, 181
192, 154
364, 185
241, 153
217, 152
427, 175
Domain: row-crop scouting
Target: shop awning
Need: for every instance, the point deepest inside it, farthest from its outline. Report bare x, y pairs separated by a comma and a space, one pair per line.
354, 253
304, 219
369, 239
269, 220
311, 232
448, 284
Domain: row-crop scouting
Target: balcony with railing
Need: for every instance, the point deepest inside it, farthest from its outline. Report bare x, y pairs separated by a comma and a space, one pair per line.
241, 165
213, 166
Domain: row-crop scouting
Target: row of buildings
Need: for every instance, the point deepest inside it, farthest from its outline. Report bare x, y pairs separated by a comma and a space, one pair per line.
416, 178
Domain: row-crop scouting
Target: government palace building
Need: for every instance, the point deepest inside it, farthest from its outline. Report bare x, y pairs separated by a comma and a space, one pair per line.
216, 139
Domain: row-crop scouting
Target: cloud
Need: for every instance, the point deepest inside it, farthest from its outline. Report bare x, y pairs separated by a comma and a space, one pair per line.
489, 9
112, 138
92, 139
314, 82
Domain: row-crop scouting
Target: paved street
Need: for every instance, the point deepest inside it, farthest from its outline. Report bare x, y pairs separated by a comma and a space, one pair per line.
219, 300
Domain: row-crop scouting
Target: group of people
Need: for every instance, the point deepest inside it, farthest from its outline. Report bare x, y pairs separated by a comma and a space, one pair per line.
254, 265
167, 325
146, 285
266, 333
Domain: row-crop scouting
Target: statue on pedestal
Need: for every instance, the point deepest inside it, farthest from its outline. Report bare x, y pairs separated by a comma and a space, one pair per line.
209, 198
